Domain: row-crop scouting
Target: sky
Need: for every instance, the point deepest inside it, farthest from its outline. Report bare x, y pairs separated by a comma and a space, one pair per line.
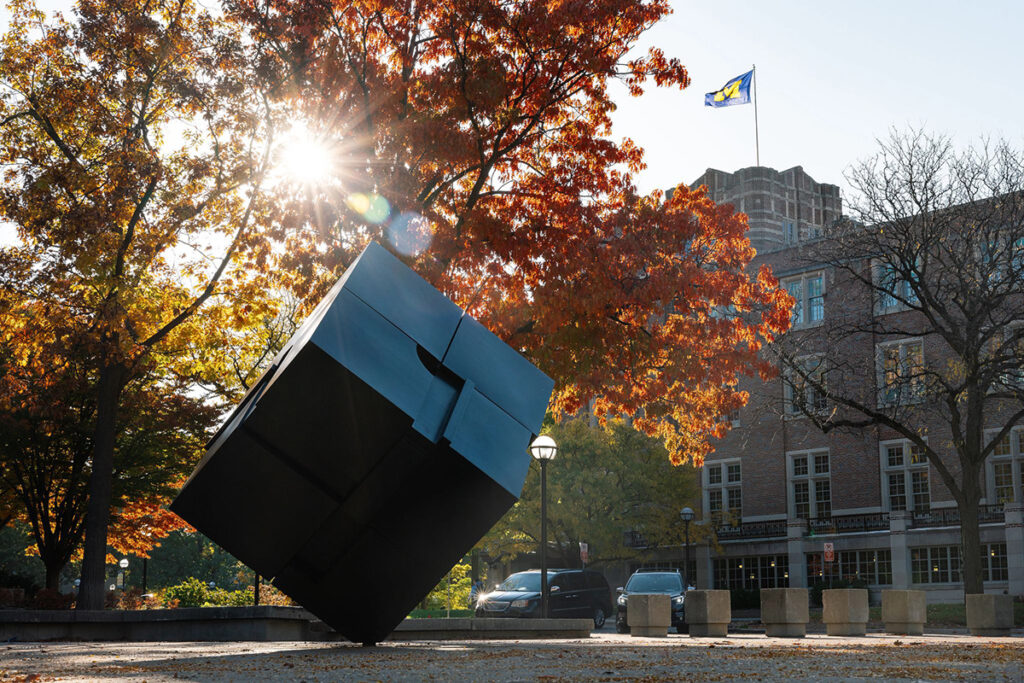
832, 78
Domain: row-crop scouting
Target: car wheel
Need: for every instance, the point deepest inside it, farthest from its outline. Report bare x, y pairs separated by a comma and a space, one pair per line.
683, 628
621, 628
598, 617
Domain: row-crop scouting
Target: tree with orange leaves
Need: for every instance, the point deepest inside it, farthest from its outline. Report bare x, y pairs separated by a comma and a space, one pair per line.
474, 137
135, 146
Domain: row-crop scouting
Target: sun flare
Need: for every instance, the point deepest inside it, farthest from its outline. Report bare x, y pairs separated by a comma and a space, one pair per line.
305, 157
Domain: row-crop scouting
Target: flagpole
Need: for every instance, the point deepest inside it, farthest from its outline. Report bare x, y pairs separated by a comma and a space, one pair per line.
757, 140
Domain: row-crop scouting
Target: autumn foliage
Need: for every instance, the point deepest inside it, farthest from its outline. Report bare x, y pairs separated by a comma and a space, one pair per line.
158, 238
484, 128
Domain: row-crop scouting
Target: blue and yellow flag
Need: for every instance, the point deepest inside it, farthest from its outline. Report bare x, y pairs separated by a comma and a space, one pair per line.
736, 91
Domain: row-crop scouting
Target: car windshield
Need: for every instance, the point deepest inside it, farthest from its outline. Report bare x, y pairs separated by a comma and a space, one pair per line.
654, 583
525, 581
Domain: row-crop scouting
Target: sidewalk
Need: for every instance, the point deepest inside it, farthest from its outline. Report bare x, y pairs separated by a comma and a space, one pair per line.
602, 657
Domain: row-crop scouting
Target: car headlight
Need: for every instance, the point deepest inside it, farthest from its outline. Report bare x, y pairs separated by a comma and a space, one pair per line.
677, 601
521, 603
622, 601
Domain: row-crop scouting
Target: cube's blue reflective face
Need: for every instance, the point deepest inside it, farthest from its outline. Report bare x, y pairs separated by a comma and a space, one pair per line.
392, 425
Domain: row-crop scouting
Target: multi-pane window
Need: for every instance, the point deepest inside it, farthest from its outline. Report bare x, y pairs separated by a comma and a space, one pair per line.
809, 291
905, 473
764, 571
724, 489
1005, 468
804, 386
871, 566
894, 291
810, 487
941, 564
901, 371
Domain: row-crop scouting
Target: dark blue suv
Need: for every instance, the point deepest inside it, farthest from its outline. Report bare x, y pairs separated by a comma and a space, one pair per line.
666, 581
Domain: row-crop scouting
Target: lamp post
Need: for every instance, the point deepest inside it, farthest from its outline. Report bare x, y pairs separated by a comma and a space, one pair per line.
543, 449
123, 575
686, 514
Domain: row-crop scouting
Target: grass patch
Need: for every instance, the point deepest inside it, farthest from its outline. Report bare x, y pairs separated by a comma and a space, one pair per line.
440, 613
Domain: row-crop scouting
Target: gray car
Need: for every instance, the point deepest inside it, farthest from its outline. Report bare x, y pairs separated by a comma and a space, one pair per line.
669, 582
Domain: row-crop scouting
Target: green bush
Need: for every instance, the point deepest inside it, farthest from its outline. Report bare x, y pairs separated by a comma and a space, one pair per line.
189, 593
453, 591
195, 593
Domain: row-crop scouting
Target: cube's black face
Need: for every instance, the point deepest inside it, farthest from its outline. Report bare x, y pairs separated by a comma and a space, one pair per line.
387, 438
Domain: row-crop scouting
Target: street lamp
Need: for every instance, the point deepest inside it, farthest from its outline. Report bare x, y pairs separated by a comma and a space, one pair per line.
543, 449
123, 564
686, 514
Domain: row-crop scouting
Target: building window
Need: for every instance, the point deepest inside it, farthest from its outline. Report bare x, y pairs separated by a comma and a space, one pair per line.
810, 487
905, 477
763, 571
894, 292
901, 372
724, 488
1008, 357
809, 291
874, 567
941, 564
804, 385
1005, 468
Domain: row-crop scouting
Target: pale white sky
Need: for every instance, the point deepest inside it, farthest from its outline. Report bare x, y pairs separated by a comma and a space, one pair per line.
831, 78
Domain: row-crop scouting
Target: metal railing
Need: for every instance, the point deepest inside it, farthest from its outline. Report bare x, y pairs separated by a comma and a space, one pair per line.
769, 529
951, 516
848, 524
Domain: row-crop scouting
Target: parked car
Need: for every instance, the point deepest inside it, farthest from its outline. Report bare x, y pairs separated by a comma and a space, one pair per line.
665, 581
573, 593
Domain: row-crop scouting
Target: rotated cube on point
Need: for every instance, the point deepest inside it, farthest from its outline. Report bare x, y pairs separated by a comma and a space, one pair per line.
387, 437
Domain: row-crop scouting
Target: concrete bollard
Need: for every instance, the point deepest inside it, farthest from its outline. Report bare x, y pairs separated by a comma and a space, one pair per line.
904, 611
708, 613
989, 615
649, 615
785, 612
845, 611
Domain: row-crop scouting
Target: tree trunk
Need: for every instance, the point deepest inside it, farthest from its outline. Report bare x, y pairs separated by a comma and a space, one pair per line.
97, 515
970, 533
53, 568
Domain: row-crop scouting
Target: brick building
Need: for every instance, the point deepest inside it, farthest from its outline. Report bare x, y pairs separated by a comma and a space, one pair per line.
779, 491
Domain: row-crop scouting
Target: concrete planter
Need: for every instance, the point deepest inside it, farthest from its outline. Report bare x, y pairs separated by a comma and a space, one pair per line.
649, 615
989, 615
784, 612
904, 612
708, 613
845, 611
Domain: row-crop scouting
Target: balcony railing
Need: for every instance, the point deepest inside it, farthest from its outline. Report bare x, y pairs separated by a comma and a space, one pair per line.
951, 516
848, 524
770, 529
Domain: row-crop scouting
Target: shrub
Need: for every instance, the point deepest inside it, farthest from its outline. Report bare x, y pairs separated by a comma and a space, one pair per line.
48, 598
745, 598
12, 597
189, 593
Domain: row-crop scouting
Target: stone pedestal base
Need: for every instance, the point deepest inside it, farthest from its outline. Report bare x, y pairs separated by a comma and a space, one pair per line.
649, 615
708, 613
784, 612
845, 611
989, 615
904, 612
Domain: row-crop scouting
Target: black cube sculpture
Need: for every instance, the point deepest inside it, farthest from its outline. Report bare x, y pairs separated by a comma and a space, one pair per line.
388, 436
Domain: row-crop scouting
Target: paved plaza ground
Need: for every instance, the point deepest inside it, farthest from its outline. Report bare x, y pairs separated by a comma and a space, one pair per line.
602, 657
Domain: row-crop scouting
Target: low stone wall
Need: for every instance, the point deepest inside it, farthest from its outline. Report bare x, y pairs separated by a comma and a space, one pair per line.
264, 623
